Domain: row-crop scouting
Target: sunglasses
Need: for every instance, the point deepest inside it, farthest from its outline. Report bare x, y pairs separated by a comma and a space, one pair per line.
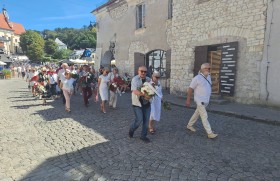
143, 71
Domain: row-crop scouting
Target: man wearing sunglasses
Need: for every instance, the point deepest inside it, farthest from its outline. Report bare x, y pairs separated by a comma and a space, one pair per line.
141, 104
201, 86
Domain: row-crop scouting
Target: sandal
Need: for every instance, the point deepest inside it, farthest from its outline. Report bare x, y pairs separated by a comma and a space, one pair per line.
152, 130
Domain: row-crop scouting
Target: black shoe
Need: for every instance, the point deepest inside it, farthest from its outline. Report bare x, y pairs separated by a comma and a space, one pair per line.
130, 134
145, 139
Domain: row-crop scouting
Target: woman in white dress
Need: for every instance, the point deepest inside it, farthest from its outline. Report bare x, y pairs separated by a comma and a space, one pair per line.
156, 103
103, 82
67, 88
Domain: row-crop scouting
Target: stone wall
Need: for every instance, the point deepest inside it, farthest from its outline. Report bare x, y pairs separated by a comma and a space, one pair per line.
117, 23
197, 23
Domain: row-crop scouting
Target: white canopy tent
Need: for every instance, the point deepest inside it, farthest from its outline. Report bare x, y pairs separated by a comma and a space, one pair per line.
80, 61
2, 63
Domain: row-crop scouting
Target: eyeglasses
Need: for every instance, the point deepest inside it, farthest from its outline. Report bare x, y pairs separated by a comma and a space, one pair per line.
208, 68
143, 71
157, 77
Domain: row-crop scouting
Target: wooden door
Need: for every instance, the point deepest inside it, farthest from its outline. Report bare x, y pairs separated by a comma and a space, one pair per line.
139, 60
200, 58
214, 58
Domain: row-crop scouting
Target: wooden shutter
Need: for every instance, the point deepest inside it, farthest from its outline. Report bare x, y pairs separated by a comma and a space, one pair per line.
200, 58
143, 15
137, 17
139, 60
228, 68
168, 63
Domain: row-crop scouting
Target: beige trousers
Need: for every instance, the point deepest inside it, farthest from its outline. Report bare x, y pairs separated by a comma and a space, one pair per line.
113, 99
201, 111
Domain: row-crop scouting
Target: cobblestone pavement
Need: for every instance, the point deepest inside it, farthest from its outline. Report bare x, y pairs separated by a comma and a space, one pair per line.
46, 143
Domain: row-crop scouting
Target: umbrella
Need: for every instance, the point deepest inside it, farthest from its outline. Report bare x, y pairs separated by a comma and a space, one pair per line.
2, 63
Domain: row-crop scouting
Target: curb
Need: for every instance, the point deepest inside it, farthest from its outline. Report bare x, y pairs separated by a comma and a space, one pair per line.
236, 115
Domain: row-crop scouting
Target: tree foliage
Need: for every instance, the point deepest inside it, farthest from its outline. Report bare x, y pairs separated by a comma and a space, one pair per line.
29, 38
50, 47
35, 52
32, 44
73, 38
61, 54
38, 45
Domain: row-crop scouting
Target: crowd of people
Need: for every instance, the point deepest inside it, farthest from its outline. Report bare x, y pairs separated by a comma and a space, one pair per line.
48, 82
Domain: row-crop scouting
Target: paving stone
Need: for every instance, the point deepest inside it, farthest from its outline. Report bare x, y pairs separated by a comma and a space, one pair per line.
45, 143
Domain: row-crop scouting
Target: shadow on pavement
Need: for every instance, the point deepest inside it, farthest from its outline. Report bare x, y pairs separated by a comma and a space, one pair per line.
239, 152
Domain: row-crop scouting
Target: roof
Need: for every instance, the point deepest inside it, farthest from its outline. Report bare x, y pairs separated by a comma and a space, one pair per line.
18, 28
15, 27
104, 5
59, 42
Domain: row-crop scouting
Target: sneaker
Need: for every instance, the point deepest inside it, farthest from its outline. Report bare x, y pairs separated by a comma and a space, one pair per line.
145, 139
212, 135
191, 128
130, 134
123, 92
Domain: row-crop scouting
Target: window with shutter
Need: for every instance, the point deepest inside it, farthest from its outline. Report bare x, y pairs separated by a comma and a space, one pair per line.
170, 8
140, 16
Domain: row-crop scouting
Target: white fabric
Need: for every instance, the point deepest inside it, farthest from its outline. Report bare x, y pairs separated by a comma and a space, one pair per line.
68, 85
31, 74
53, 78
61, 75
156, 104
202, 88
201, 111
113, 99
103, 88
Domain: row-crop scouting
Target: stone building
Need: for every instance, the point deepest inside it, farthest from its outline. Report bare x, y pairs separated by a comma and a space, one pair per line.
270, 66
133, 33
229, 34
9, 35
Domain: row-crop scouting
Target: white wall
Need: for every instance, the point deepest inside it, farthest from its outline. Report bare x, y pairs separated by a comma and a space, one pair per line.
270, 89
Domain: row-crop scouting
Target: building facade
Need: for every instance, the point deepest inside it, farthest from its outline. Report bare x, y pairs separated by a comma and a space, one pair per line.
130, 34
9, 35
230, 35
270, 65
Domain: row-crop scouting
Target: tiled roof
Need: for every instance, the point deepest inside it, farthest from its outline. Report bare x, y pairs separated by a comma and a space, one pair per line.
15, 27
18, 28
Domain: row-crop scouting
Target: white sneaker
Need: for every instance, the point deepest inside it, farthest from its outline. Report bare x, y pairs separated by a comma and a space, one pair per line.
212, 135
191, 128
123, 92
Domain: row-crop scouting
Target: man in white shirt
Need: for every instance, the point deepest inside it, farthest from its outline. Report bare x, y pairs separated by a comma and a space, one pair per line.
61, 77
201, 86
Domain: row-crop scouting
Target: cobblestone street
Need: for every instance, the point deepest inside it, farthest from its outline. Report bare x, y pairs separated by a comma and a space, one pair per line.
46, 143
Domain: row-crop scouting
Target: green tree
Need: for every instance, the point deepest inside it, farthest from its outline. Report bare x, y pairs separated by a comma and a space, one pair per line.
35, 52
61, 54
50, 47
29, 38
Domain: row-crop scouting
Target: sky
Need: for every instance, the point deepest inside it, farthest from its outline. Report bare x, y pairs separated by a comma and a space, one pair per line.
50, 14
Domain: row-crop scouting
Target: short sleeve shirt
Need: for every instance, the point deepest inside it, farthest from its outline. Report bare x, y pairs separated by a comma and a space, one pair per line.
202, 88
136, 84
